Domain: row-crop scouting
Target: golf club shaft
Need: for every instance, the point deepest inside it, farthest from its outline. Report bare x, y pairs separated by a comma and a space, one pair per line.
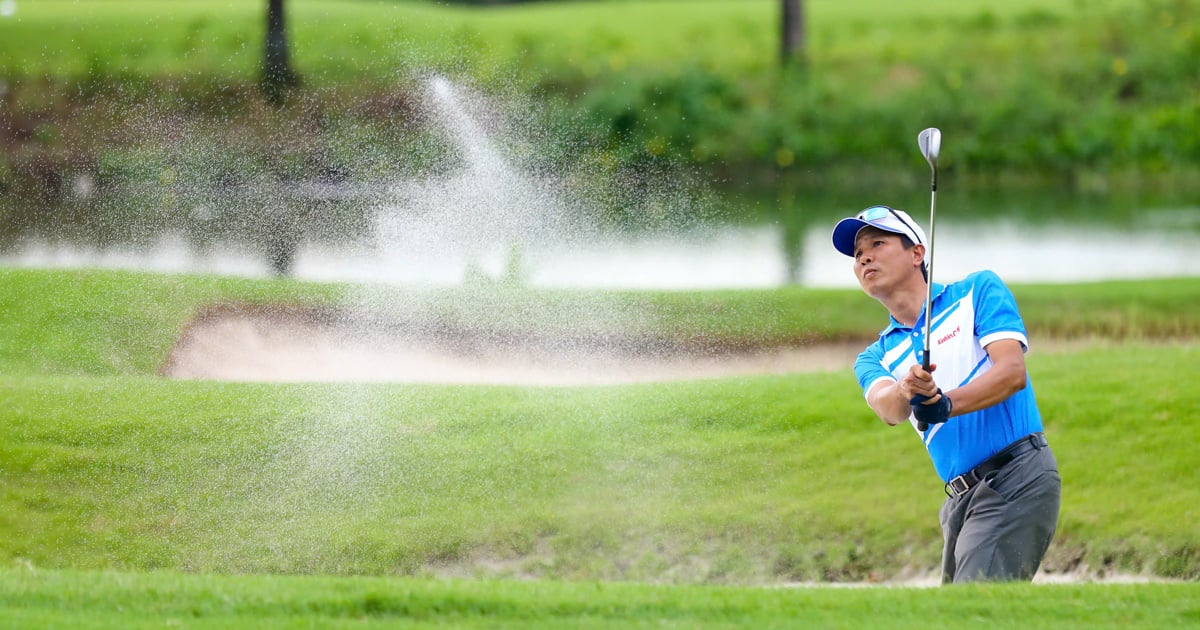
930, 148
921, 426
929, 271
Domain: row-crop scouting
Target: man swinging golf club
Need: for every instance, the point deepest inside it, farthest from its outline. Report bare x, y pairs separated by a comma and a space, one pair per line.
972, 406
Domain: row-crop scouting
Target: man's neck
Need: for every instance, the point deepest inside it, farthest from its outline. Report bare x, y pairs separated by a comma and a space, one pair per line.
905, 305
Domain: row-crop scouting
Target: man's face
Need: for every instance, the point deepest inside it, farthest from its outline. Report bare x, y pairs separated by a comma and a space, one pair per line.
881, 263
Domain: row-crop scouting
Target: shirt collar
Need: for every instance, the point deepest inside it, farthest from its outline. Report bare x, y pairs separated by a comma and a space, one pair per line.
938, 289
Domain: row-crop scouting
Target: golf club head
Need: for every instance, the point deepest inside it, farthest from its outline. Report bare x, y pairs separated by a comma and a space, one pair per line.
930, 141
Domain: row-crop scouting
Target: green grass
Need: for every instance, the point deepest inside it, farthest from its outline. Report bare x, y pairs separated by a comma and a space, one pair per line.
347, 41
122, 600
735, 480
99, 322
746, 480
602, 483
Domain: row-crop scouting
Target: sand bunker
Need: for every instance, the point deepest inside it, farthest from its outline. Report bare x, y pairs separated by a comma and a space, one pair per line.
295, 345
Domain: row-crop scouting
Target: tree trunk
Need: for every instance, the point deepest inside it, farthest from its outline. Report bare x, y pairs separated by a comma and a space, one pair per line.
277, 74
792, 41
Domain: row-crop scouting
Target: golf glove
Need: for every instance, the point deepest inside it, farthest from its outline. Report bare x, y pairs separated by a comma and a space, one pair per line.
936, 413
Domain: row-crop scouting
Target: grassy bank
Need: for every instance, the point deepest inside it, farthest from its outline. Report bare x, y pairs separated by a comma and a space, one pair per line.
117, 600
743, 480
1097, 94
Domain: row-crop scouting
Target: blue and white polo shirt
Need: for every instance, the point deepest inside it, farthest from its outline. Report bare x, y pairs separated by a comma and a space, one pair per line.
968, 315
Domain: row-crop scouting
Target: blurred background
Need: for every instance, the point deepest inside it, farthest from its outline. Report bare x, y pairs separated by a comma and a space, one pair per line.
602, 143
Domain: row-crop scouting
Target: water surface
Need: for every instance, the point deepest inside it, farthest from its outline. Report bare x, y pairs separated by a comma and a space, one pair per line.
377, 238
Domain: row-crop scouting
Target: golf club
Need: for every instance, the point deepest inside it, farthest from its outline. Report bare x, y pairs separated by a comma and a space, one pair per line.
930, 142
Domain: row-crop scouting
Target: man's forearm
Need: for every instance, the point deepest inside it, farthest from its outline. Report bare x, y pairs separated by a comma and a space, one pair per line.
888, 403
1006, 377
990, 389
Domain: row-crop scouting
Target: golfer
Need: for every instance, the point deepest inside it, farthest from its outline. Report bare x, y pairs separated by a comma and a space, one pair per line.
981, 423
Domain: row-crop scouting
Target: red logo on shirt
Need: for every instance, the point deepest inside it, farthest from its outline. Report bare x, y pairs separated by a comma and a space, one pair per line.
943, 339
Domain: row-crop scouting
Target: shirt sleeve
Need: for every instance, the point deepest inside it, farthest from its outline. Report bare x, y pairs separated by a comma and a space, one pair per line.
869, 367
996, 315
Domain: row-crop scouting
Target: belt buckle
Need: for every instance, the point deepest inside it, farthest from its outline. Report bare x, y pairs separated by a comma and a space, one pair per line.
958, 486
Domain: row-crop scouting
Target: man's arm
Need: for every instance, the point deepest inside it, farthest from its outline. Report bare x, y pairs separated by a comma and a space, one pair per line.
1006, 377
890, 399
888, 402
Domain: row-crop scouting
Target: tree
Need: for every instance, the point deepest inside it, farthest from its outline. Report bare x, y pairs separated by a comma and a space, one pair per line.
277, 73
793, 44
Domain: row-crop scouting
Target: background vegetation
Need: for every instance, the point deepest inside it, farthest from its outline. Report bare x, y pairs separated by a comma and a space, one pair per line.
1092, 93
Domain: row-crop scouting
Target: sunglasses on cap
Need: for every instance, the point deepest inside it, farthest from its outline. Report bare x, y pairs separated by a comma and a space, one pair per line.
878, 213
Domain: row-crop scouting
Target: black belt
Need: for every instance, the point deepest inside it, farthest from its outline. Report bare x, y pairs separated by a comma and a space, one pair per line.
959, 485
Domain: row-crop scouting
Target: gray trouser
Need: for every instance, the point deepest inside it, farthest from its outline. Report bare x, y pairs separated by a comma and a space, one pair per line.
1000, 529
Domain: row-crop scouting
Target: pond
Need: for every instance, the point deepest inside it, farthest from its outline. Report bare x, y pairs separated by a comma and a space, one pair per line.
737, 239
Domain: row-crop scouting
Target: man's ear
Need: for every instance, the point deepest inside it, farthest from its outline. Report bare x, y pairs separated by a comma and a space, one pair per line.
918, 254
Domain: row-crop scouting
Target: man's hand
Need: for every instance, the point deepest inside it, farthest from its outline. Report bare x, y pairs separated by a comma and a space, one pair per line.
929, 405
918, 382
931, 409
